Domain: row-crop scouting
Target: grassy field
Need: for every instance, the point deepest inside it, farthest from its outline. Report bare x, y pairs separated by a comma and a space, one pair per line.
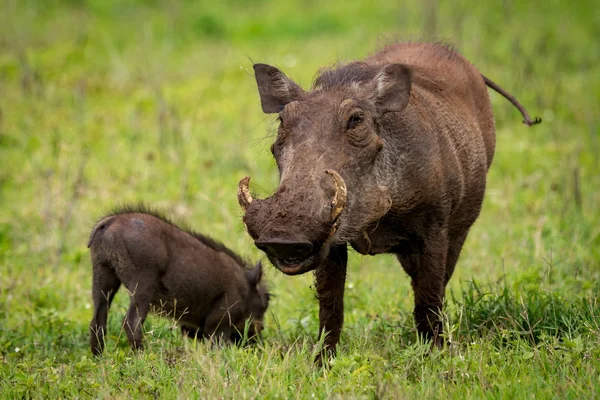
112, 102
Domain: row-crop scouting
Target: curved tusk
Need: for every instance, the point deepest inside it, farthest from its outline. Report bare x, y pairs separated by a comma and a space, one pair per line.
244, 196
339, 199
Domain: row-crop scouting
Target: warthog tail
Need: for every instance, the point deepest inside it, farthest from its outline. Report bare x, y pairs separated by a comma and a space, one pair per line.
527, 121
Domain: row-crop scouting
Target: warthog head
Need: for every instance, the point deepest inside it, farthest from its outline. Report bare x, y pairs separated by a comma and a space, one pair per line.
328, 151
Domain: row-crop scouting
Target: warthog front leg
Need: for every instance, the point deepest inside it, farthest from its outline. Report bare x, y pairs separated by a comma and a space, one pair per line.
104, 287
330, 281
226, 320
190, 332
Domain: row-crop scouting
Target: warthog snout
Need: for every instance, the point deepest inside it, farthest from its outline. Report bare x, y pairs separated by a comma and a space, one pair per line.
279, 226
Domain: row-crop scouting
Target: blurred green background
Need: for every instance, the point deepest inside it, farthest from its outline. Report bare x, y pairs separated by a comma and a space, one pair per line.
104, 103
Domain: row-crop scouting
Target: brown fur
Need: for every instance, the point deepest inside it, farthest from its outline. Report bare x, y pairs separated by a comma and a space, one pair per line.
411, 132
197, 281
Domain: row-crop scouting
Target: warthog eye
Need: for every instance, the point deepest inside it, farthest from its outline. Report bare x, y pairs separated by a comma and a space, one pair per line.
355, 120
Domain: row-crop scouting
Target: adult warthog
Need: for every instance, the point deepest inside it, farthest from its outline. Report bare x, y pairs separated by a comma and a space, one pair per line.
390, 155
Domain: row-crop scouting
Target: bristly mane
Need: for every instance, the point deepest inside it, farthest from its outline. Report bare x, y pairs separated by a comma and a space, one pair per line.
359, 72
205, 240
341, 75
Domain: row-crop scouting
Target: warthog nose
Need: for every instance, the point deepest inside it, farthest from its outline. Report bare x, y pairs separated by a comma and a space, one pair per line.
288, 251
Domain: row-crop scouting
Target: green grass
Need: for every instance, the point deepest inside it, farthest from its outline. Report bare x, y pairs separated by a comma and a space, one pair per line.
111, 102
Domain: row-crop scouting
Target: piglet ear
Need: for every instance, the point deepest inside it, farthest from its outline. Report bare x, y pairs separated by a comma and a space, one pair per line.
392, 87
275, 89
254, 275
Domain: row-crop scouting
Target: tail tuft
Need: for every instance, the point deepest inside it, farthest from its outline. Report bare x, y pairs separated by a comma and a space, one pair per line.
535, 121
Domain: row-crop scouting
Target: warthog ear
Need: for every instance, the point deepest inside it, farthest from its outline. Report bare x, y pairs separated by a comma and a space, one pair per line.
254, 275
275, 89
392, 87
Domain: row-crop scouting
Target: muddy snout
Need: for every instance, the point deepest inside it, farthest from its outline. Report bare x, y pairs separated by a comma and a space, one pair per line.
294, 225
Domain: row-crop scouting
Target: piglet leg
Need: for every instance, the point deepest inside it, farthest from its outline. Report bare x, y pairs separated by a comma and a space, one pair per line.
104, 287
139, 305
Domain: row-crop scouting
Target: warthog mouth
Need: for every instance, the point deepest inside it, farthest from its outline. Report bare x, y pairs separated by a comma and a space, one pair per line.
298, 267
295, 269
